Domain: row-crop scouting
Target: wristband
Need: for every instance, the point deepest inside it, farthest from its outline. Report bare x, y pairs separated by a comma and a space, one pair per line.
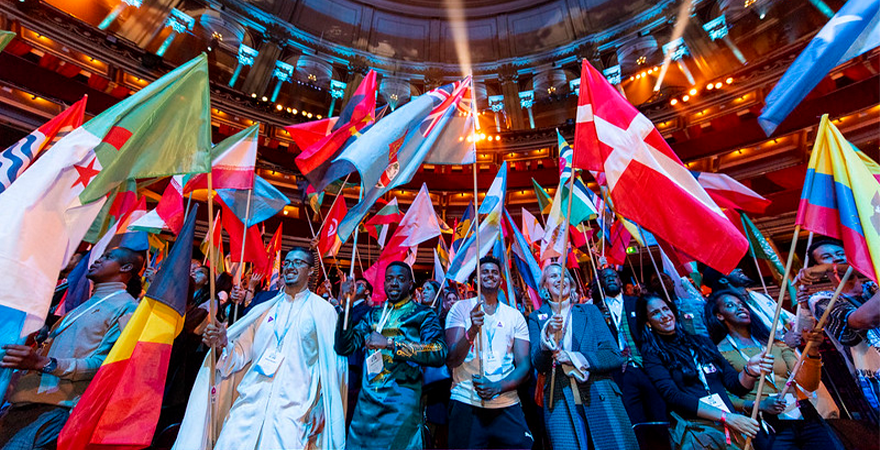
723, 417
746, 370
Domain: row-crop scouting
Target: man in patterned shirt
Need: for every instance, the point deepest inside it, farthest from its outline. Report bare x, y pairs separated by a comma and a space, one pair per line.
854, 321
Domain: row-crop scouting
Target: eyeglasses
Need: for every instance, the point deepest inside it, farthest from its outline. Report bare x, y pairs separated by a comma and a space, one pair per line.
294, 262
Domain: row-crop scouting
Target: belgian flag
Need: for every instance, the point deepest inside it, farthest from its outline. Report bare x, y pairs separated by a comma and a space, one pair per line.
120, 408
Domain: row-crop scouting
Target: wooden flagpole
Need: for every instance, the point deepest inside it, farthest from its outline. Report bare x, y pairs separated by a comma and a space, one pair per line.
247, 217
819, 326
479, 347
354, 248
760, 276
446, 275
565, 225
336, 199
312, 229
782, 290
212, 314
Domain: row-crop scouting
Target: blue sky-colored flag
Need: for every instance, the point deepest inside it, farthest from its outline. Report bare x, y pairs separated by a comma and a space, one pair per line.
434, 128
266, 201
854, 30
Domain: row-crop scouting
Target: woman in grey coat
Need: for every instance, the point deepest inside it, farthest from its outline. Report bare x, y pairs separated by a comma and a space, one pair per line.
587, 411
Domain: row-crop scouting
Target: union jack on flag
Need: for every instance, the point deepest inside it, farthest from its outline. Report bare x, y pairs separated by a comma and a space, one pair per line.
453, 98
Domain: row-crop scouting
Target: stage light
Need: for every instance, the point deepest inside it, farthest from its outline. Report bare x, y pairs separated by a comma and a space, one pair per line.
673, 102
289, 110
718, 85
729, 80
279, 107
685, 98
265, 99
710, 86
693, 91
285, 212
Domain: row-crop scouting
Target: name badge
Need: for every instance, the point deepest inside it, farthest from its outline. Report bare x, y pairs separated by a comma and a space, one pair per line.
715, 400
709, 368
375, 364
268, 364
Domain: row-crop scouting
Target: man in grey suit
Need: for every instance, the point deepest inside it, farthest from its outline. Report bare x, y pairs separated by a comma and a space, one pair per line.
53, 377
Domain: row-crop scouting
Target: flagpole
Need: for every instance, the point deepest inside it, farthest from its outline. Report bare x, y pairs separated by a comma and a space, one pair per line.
659, 275
596, 272
247, 217
338, 196
819, 326
446, 275
312, 229
565, 226
354, 248
634, 269
782, 290
479, 347
760, 276
188, 202
212, 312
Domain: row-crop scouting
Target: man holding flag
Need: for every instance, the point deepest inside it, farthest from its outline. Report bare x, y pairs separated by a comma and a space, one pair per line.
55, 375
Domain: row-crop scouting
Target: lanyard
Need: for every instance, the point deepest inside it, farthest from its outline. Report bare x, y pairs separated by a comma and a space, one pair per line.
700, 373
383, 319
770, 376
69, 321
280, 339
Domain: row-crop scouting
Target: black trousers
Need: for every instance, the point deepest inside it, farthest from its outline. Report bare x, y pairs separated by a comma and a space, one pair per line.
641, 399
471, 427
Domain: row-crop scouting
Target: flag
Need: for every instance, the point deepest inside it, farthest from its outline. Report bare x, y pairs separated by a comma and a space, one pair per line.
330, 242
314, 199
854, 30
121, 406
465, 260
265, 201
215, 228
14, 160
531, 229
462, 228
161, 130
315, 161
759, 247
618, 241
273, 250
841, 199
307, 134
136, 211
79, 288
582, 208
254, 248
646, 180
443, 254
565, 157
525, 262
544, 202
168, 214
416, 227
439, 271
377, 226
729, 193
232, 163
5, 38
431, 128
444, 228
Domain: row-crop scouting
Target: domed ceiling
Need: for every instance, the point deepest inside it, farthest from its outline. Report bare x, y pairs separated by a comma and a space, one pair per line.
413, 31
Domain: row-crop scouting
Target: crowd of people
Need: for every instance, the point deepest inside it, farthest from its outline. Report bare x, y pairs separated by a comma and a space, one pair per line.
601, 366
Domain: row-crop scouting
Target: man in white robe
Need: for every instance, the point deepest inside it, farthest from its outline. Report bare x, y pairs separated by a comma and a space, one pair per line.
279, 384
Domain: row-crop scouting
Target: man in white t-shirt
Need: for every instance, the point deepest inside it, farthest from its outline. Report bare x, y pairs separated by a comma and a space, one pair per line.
484, 409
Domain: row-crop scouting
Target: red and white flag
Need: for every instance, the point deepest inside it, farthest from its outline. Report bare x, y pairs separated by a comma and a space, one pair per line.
329, 242
232, 163
729, 193
647, 181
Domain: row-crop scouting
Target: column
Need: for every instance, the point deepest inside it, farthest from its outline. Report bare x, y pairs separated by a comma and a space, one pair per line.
246, 56
337, 91
677, 49
526, 101
258, 77
282, 73
509, 78
496, 103
179, 22
117, 11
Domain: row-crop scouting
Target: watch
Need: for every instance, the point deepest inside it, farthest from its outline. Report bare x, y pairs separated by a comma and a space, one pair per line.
50, 366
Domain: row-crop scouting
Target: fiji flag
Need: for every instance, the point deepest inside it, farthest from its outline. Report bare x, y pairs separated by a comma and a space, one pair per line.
435, 128
854, 30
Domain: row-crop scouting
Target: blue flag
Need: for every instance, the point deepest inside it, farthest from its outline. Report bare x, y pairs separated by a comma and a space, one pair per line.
854, 30
266, 201
435, 128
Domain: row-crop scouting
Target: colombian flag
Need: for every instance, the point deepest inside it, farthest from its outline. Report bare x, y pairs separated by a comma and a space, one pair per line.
120, 408
841, 199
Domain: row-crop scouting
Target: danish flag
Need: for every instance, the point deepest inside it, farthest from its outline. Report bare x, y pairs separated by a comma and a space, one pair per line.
647, 182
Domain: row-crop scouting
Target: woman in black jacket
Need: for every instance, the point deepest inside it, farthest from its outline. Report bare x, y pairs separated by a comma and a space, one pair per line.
694, 379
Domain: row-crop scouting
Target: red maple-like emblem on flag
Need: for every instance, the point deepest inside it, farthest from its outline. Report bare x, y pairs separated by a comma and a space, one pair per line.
393, 164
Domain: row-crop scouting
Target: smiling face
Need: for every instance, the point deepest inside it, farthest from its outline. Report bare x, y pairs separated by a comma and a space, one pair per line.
556, 283
295, 270
490, 276
398, 283
732, 311
661, 319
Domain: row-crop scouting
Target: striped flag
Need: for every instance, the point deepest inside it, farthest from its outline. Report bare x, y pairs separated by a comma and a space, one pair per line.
729, 193
232, 163
544, 201
120, 408
565, 156
14, 160
274, 252
841, 199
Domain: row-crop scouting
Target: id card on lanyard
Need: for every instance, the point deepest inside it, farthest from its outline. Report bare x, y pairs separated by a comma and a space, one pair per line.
375, 363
